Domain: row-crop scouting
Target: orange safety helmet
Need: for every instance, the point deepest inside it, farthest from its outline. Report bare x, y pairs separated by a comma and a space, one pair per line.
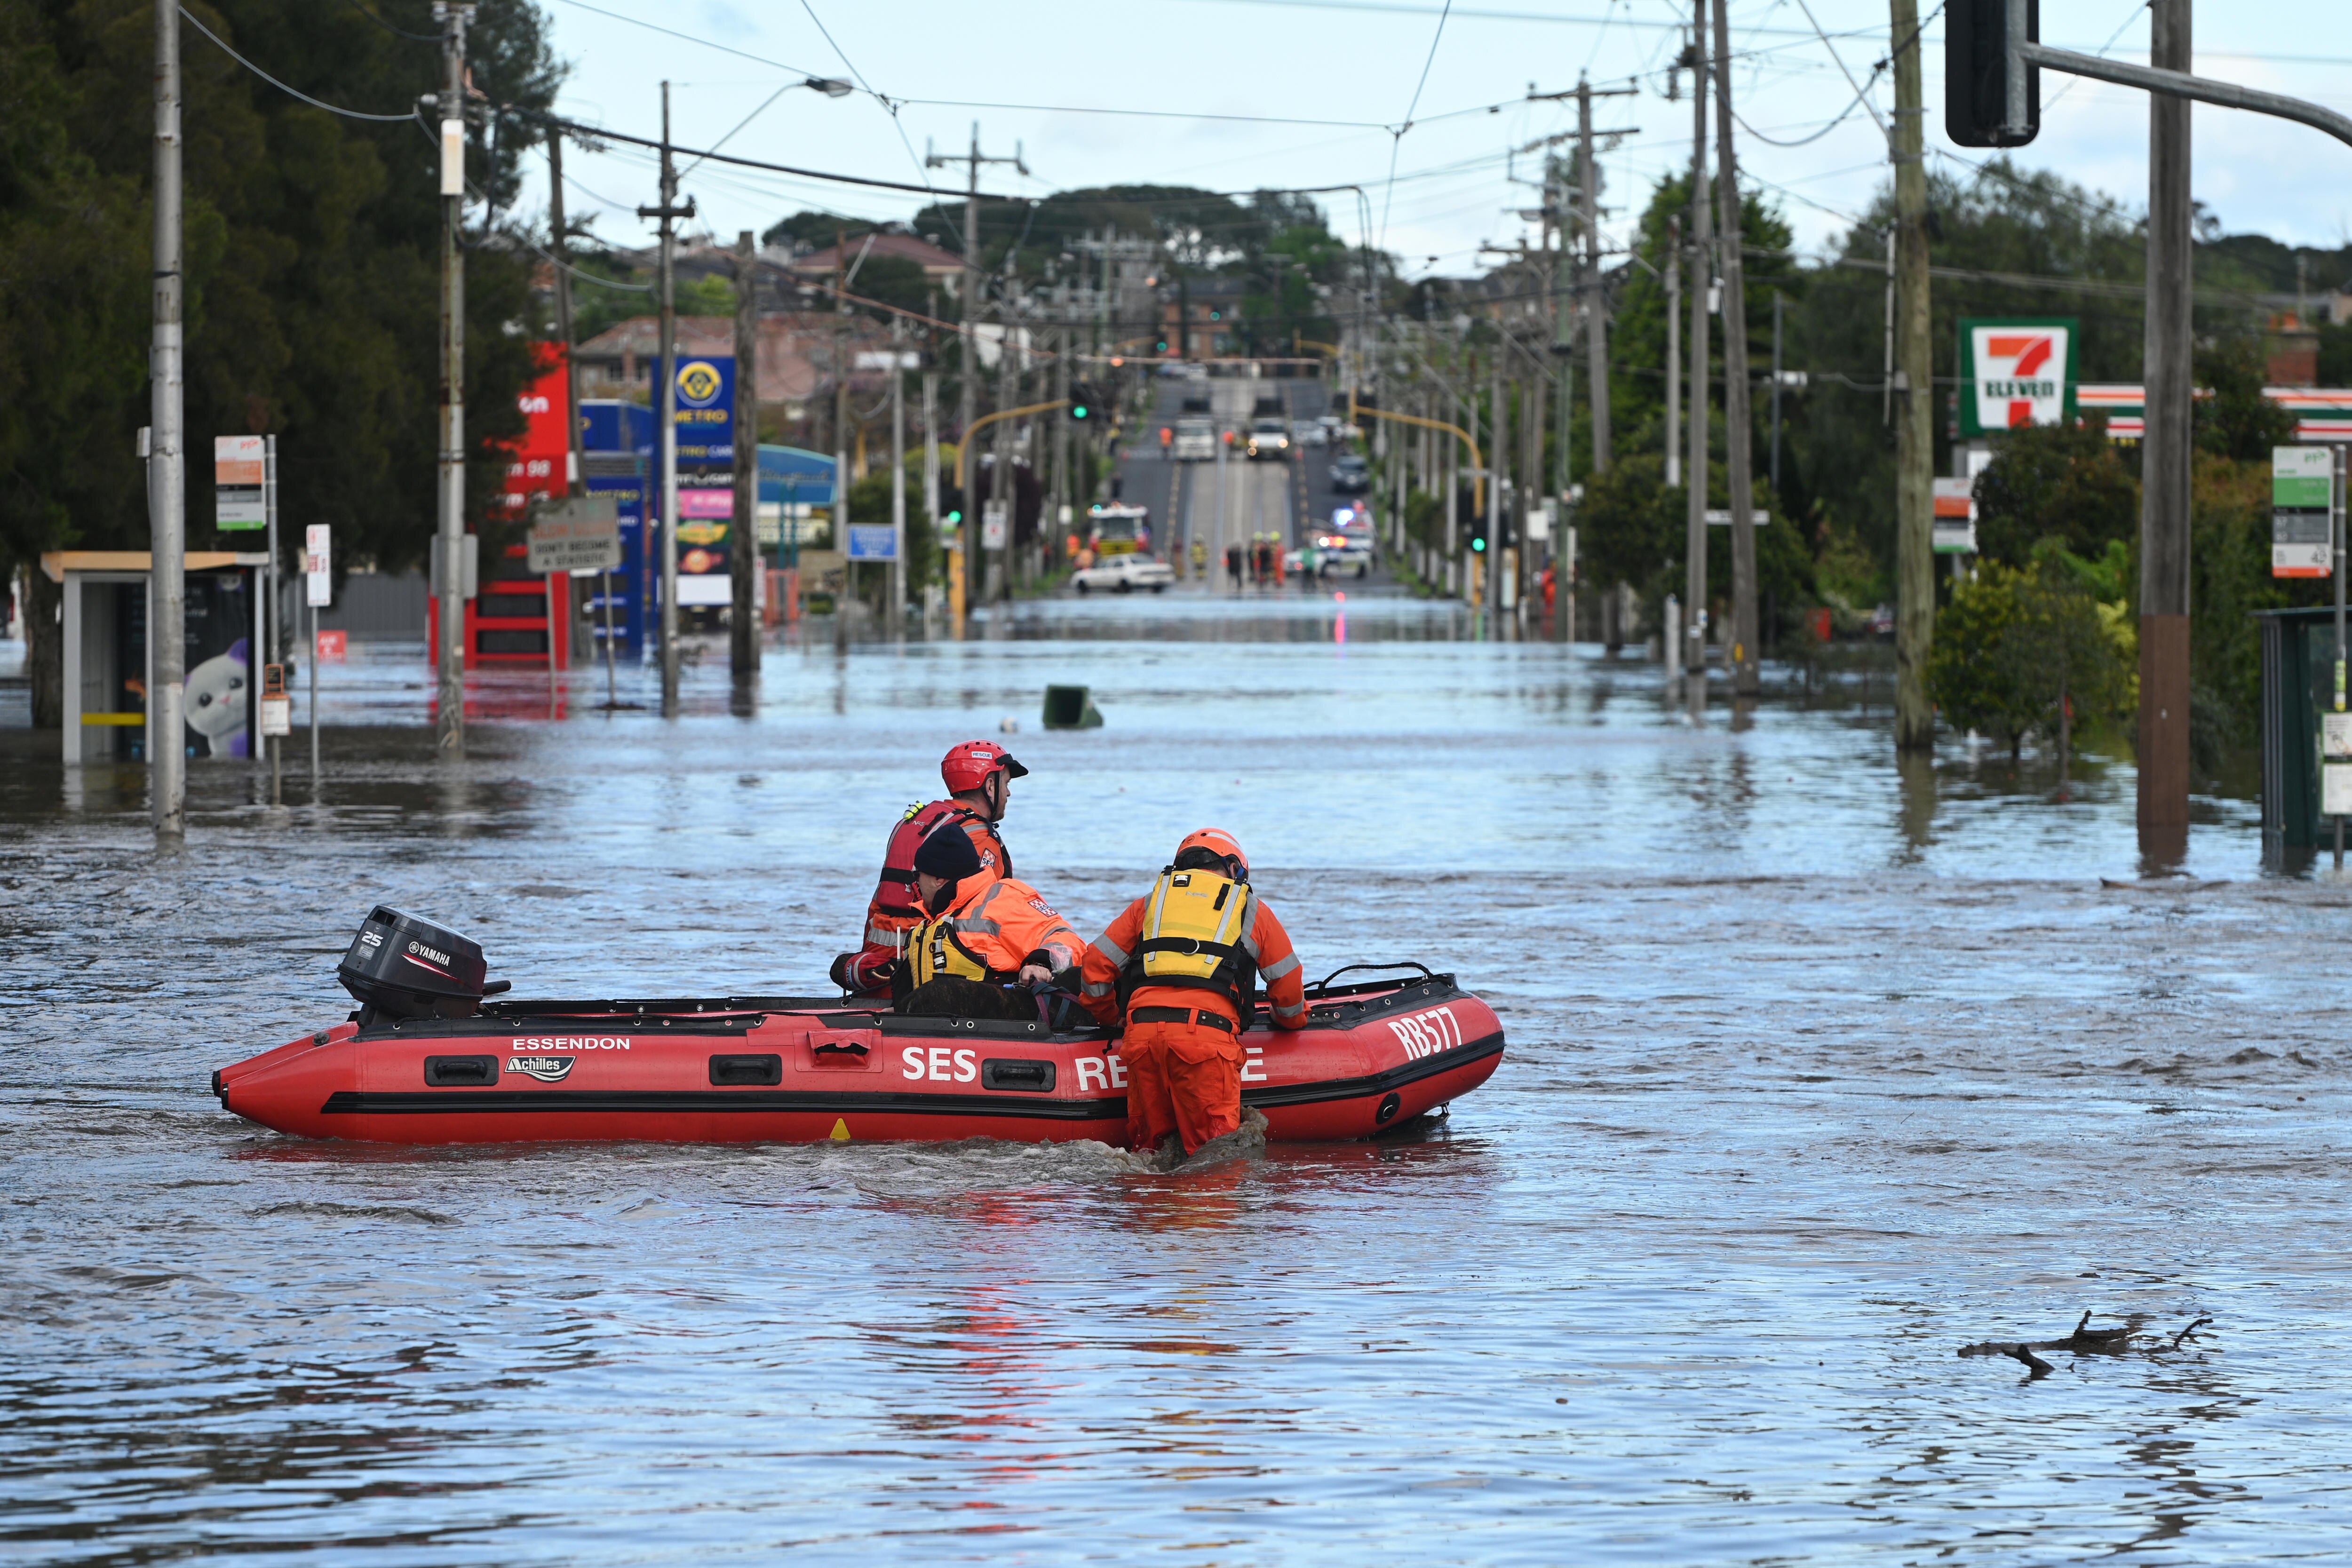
968, 766
1217, 841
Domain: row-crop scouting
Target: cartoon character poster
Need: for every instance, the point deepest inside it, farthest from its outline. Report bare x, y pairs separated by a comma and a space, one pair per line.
218, 703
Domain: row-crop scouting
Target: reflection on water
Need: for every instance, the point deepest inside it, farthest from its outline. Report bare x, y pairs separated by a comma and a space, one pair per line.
1821, 1067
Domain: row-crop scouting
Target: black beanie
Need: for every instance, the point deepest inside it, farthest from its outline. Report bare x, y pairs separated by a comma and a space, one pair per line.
948, 854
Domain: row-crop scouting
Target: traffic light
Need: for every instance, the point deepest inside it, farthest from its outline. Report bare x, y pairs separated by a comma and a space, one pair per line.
1978, 73
1478, 543
1083, 406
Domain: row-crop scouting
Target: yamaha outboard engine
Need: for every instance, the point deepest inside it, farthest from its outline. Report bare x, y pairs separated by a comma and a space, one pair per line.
402, 967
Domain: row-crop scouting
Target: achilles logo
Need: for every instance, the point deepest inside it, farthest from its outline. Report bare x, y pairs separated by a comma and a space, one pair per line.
547, 1069
1426, 1034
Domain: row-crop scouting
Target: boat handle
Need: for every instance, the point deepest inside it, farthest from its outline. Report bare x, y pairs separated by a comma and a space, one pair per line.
839, 1047
1324, 984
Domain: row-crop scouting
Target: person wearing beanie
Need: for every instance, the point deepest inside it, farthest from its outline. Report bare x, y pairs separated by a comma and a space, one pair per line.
979, 775
977, 927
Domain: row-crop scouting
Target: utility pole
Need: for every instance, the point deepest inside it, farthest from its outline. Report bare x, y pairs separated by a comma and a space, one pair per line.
2164, 480
1596, 303
1498, 462
1738, 428
167, 489
895, 613
575, 481
452, 586
1702, 288
743, 536
1777, 300
1674, 350
967, 382
666, 408
1915, 431
1001, 487
841, 368
931, 421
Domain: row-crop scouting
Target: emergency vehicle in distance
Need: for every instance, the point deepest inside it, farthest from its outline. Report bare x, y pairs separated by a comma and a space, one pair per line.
1119, 531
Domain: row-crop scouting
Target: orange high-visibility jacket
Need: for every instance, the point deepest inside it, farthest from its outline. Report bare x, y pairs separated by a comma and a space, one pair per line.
1000, 922
1266, 946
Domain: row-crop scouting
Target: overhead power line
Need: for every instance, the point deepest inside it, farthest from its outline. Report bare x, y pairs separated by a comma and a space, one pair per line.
192, 19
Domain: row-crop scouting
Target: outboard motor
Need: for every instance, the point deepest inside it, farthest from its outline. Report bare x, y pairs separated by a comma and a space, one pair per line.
402, 967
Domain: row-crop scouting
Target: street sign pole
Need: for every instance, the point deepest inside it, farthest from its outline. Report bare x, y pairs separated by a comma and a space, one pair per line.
319, 585
2336, 507
272, 611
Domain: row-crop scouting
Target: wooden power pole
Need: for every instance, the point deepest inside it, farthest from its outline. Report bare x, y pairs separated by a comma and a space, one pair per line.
1739, 465
1915, 400
1701, 287
2164, 461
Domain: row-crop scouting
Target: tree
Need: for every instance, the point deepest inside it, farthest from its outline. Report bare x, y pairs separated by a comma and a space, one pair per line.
314, 246
2065, 482
2237, 421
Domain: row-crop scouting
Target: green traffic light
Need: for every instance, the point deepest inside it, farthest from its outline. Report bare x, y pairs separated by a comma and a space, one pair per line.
1478, 544
955, 517
1079, 412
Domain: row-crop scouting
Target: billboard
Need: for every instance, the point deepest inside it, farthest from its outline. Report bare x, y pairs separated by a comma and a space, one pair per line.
2017, 370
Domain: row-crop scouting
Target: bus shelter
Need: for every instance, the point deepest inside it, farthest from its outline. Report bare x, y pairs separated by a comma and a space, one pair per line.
107, 668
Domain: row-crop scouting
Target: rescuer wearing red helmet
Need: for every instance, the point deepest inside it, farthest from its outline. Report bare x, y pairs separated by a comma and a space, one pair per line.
1179, 970
979, 775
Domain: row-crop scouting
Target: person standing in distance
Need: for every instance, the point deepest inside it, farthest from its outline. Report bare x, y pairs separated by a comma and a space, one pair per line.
979, 775
1177, 975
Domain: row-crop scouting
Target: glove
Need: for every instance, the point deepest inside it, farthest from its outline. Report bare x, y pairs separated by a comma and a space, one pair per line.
840, 972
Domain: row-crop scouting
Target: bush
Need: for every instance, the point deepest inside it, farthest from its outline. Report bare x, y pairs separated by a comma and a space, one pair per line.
2019, 651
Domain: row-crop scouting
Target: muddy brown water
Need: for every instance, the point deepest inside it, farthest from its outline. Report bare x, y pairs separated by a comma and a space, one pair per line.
1819, 1070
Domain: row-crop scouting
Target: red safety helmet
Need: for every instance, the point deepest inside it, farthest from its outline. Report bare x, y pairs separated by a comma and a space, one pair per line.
1217, 841
967, 767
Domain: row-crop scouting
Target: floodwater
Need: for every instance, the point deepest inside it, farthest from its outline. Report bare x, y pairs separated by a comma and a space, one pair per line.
1818, 1069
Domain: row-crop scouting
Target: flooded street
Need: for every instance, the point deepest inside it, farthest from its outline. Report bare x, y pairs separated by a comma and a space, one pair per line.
1818, 1069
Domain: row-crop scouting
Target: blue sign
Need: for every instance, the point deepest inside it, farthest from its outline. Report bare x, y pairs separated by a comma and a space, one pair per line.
873, 541
608, 424
795, 475
706, 413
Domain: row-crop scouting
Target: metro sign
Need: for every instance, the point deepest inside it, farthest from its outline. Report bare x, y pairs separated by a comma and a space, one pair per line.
2016, 372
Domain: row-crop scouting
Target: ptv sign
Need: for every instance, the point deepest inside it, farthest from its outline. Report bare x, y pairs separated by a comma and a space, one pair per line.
2016, 371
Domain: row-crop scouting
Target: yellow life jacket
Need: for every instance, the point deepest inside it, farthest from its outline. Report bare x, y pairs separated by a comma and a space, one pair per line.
935, 948
1193, 927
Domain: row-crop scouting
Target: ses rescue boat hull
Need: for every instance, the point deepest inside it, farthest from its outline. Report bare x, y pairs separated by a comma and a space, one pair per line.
798, 1070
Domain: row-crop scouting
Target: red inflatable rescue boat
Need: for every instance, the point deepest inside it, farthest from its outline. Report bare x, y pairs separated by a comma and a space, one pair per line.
1374, 1055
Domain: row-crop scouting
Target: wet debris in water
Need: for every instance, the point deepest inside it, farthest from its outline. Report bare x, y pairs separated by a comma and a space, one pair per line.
2083, 1340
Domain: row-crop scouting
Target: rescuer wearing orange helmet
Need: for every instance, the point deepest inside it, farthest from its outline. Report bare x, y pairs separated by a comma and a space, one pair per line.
976, 927
1179, 968
979, 775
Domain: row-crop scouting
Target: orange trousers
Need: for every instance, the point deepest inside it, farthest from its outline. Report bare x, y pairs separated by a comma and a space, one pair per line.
1180, 1079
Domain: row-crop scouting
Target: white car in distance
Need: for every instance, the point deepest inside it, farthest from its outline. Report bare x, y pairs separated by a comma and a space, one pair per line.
1196, 441
1124, 574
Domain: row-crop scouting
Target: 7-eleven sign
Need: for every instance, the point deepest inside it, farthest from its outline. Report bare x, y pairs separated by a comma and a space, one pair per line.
2016, 371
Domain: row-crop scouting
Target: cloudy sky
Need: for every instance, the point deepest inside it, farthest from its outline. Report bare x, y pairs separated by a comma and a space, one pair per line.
1236, 94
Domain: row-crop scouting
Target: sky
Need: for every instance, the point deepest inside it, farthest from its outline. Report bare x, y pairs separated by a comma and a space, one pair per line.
1240, 94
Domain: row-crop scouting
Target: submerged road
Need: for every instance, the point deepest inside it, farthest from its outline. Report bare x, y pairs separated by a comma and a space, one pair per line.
1820, 1070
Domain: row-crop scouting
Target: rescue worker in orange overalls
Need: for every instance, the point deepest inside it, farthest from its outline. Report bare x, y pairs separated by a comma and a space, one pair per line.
1179, 970
979, 775
976, 926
